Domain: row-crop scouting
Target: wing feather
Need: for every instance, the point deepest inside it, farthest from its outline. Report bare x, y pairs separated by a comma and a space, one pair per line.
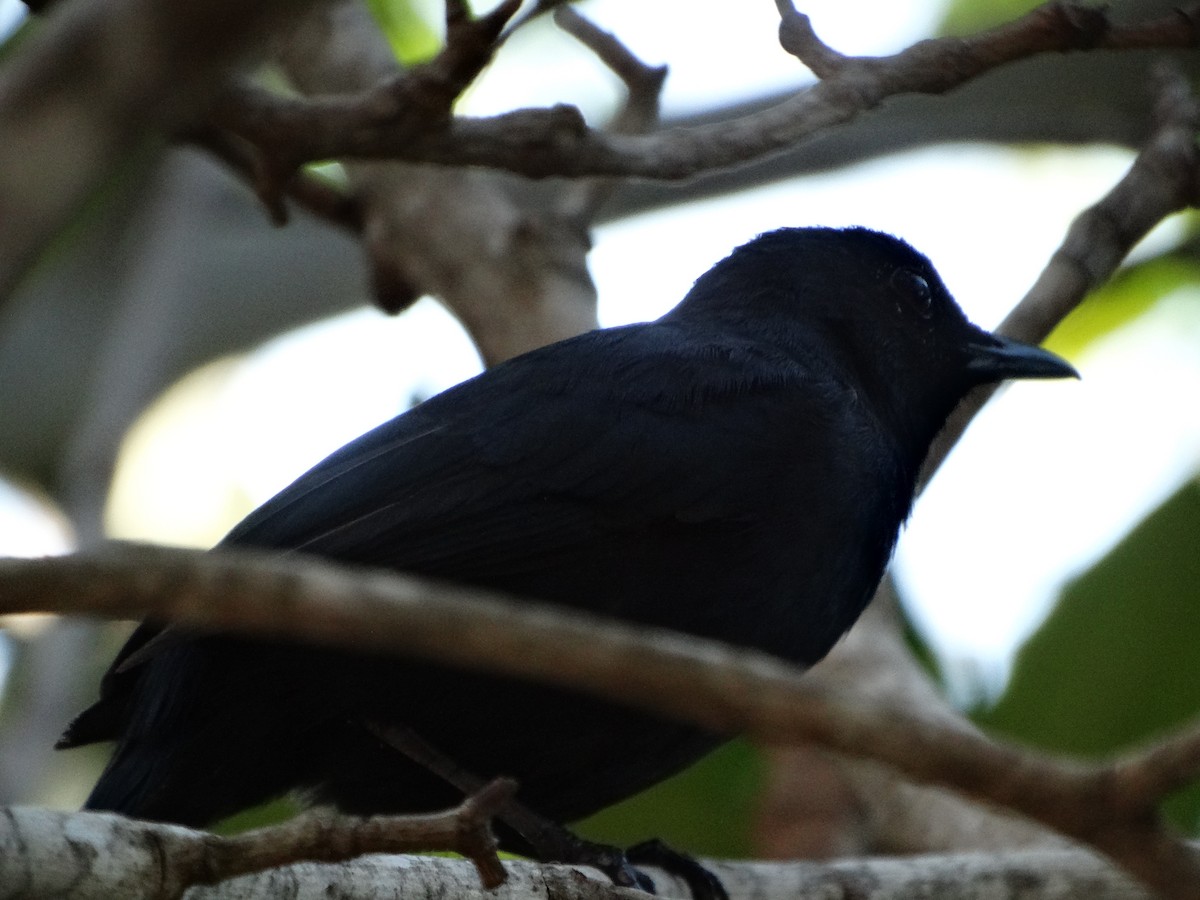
531, 472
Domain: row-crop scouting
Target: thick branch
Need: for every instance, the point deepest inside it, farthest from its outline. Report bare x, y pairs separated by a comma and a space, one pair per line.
49, 853
984, 876
508, 261
881, 812
725, 689
97, 856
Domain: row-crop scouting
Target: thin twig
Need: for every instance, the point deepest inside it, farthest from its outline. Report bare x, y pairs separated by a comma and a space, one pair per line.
643, 82
321, 837
638, 114
421, 98
797, 37
312, 194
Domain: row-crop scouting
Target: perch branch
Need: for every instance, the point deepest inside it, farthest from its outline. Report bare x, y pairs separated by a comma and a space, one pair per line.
54, 852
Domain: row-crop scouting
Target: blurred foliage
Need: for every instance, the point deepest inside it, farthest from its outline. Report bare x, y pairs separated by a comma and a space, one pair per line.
412, 38
1114, 664
969, 16
706, 810
273, 813
1121, 301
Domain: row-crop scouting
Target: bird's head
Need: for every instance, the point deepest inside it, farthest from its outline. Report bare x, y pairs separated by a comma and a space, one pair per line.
870, 310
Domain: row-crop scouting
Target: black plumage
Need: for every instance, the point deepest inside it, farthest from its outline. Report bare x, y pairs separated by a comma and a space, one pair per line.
738, 469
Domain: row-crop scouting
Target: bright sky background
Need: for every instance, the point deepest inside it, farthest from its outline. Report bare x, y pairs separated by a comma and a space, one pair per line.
11, 14
1048, 479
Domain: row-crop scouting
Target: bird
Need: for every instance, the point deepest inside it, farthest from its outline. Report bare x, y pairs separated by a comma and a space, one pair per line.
738, 469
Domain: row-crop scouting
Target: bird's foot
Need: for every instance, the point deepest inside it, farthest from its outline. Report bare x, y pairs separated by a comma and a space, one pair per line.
558, 844
612, 861
703, 884
552, 842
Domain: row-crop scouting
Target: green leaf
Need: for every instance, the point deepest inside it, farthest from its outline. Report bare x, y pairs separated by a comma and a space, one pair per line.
1122, 300
1115, 663
970, 16
273, 812
412, 39
706, 810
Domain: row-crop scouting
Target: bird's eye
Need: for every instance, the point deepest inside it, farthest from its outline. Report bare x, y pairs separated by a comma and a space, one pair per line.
914, 289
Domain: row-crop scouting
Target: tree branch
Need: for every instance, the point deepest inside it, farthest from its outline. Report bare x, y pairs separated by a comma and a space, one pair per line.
508, 260
48, 853
979, 876
556, 141
879, 812
725, 689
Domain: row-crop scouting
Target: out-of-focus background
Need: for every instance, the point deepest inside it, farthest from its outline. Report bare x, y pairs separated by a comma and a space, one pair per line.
1051, 570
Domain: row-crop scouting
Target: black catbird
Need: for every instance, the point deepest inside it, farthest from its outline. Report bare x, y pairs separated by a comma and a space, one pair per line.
737, 469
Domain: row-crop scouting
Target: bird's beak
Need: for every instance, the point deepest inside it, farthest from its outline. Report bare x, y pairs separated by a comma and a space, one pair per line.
994, 358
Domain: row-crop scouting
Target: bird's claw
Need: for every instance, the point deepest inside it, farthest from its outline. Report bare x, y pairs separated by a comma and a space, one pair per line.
703, 884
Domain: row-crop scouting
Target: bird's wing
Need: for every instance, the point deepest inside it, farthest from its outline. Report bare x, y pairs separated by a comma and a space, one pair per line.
535, 459
525, 468
104, 720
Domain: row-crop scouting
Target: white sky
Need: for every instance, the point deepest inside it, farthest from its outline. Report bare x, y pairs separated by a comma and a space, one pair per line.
716, 50
1046, 481
11, 14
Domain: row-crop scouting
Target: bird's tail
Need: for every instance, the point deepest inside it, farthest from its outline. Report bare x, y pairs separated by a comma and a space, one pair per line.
127, 786
151, 774
177, 781
184, 752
